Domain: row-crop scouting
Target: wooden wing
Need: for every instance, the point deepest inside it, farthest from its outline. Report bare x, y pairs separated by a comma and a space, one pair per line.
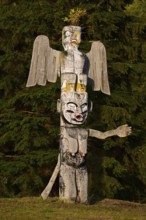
45, 63
98, 68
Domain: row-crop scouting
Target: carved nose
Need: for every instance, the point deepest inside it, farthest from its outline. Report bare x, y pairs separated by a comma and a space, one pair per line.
78, 110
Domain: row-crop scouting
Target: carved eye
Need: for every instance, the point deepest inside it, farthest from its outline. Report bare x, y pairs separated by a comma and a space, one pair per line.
84, 107
71, 105
67, 34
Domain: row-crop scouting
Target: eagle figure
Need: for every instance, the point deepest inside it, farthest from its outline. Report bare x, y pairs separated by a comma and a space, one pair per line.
47, 63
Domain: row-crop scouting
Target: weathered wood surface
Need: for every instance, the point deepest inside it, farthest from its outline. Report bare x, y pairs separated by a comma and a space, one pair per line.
98, 67
121, 131
73, 183
45, 63
48, 188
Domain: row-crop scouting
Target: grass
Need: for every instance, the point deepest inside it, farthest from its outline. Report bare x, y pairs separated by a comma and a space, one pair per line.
34, 208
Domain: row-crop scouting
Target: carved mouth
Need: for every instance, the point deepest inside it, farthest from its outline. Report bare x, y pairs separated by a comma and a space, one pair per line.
79, 117
74, 41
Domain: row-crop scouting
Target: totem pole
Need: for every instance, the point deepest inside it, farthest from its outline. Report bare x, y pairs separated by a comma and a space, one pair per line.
75, 70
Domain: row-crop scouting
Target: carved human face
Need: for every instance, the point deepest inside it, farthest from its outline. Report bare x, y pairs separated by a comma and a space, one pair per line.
71, 37
74, 107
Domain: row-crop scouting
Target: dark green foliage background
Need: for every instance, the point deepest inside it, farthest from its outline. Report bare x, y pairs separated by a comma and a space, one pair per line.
29, 123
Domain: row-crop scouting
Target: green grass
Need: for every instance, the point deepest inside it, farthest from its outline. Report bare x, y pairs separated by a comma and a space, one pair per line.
34, 208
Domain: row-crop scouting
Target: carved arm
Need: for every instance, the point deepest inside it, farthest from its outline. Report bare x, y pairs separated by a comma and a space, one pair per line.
121, 131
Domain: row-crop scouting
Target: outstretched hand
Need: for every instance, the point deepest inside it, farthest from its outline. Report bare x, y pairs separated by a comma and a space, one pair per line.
123, 130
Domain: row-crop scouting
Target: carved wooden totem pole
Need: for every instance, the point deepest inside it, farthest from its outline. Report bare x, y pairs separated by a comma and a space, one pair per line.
75, 70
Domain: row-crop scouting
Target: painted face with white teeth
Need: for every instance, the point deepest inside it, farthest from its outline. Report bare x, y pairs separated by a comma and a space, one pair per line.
74, 107
71, 37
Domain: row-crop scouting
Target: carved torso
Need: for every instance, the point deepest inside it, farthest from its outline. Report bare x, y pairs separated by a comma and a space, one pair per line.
72, 62
74, 146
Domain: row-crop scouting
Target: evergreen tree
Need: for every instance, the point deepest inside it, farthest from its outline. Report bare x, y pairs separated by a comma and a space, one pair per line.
28, 120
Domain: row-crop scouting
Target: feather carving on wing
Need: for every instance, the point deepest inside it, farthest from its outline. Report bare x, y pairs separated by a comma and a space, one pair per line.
45, 63
98, 68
